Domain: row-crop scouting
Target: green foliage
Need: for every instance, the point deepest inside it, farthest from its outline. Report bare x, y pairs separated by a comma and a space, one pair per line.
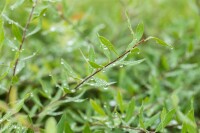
69, 66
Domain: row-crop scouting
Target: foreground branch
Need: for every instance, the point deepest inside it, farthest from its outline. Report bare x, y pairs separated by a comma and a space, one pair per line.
21, 45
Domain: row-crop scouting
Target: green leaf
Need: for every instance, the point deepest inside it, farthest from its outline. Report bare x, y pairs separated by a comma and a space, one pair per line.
37, 28
129, 23
69, 69
135, 50
2, 36
50, 125
17, 4
141, 118
15, 79
2, 76
139, 31
87, 129
101, 82
191, 128
120, 102
165, 119
61, 124
16, 32
92, 54
159, 41
130, 46
94, 65
107, 43
184, 128
168, 117
163, 114
137, 36
130, 110
2, 5
190, 124
97, 108
152, 120
67, 128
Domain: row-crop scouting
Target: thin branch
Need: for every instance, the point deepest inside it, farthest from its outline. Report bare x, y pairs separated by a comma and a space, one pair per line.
97, 71
105, 66
21, 45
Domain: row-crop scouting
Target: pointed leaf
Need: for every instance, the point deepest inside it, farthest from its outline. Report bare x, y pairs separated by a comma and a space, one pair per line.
152, 120
120, 102
129, 23
139, 31
50, 126
67, 128
107, 43
87, 129
141, 118
130, 110
61, 124
167, 118
159, 41
17, 4
2, 36
2, 5
135, 50
91, 54
94, 65
69, 69
16, 32
130, 46
37, 28
97, 108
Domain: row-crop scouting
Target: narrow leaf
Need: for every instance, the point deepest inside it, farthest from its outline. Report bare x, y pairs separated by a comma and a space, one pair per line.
130, 110
107, 43
129, 23
152, 120
91, 54
130, 46
17, 4
97, 108
87, 129
37, 28
69, 69
67, 128
139, 31
16, 32
2, 5
2, 36
141, 118
159, 41
50, 126
135, 50
94, 65
168, 117
61, 124
120, 102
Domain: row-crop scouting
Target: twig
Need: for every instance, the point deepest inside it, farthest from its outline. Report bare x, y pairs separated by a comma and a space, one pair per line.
97, 71
110, 63
105, 66
21, 45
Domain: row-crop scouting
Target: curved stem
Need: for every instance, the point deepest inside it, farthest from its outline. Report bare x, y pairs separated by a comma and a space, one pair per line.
21, 45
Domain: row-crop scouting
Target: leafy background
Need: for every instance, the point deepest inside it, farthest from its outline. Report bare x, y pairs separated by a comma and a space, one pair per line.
159, 94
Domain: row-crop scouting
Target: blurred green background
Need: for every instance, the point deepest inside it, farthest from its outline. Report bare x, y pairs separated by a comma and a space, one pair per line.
167, 77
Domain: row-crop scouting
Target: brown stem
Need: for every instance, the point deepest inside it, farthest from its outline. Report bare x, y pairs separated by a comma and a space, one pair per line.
21, 45
105, 66
99, 70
